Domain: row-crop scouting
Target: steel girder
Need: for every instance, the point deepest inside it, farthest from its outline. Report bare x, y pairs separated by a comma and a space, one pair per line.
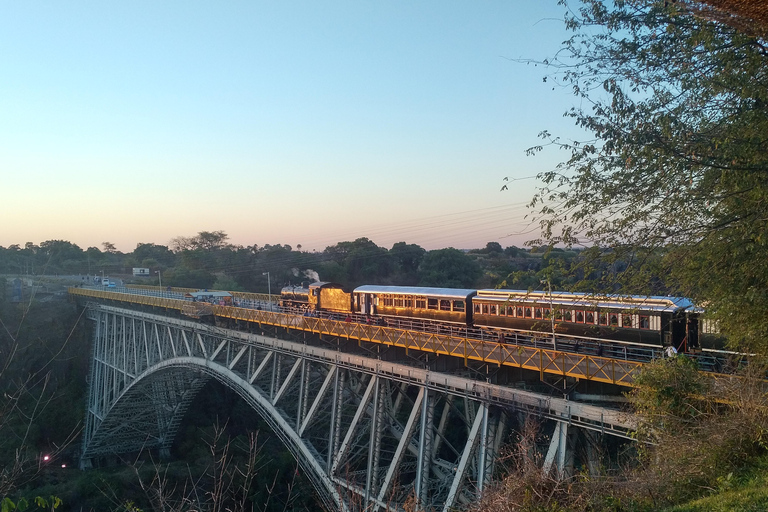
366, 432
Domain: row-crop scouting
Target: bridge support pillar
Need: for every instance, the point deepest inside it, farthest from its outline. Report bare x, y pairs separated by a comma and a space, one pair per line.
592, 452
560, 451
425, 450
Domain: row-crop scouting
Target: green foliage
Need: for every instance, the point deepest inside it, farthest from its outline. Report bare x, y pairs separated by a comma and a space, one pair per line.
449, 268
674, 163
203, 241
667, 395
746, 493
705, 433
22, 504
226, 283
152, 255
362, 260
407, 258
207, 261
185, 277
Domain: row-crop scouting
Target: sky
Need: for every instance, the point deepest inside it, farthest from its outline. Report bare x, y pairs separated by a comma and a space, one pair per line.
299, 123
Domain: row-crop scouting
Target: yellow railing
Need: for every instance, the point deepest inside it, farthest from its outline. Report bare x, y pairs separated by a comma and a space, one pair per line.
581, 366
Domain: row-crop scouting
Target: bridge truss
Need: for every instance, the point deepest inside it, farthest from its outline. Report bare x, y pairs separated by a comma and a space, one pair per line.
365, 431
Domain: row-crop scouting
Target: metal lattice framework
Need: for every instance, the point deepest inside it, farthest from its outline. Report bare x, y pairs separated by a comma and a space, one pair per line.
364, 430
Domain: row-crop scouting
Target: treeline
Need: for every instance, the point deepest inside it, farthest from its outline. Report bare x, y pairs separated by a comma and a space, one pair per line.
207, 260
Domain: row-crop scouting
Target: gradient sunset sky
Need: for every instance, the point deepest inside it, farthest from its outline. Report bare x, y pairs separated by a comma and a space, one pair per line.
277, 122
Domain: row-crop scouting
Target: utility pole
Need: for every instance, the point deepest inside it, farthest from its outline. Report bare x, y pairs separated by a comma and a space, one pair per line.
269, 289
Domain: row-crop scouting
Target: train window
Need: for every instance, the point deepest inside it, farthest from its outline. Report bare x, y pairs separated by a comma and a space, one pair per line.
707, 326
421, 303
645, 322
431, 303
626, 320
558, 314
590, 317
398, 303
408, 303
547, 313
445, 305
493, 309
602, 318
477, 308
580, 317
613, 319
537, 312
485, 309
568, 315
527, 312
458, 305
519, 312
388, 302
503, 310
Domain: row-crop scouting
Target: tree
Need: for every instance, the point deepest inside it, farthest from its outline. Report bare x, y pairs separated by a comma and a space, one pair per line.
363, 261
448, 268
407, 258
204, 240
109, 247
62, 255
185, 277
160, 253
210, 240
676, 109
490, 248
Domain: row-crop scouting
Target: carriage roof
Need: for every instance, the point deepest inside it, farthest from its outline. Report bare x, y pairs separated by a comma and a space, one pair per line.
587, 300
446, 293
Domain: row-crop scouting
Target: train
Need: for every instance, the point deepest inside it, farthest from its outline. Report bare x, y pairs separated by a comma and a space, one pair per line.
647, 320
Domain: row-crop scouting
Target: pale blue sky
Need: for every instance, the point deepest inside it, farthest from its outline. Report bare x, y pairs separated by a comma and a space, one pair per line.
283, 122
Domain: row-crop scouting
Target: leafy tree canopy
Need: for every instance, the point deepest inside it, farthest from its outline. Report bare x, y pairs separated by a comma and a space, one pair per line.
407, 258
159, 253
449, 268
676, 161
204, 240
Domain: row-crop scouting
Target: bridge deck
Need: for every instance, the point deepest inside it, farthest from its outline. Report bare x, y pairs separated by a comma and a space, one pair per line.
543, 360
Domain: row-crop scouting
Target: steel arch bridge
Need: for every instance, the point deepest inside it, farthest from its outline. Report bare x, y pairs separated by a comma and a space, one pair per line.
364, 430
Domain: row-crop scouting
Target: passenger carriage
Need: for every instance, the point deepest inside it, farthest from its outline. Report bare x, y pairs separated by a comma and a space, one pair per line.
658, 321
413, 302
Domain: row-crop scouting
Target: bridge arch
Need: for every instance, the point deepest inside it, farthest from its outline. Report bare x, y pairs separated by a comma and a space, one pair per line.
171, 386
